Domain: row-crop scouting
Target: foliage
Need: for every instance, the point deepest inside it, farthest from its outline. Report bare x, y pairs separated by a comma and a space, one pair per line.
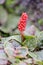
17, 48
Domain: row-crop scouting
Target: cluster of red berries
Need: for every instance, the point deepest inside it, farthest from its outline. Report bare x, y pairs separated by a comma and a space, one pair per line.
22, 22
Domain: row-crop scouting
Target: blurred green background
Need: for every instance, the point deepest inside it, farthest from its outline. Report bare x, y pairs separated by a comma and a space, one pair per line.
11, 10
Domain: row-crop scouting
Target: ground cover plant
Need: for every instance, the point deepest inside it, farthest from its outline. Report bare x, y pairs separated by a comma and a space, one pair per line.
21, 32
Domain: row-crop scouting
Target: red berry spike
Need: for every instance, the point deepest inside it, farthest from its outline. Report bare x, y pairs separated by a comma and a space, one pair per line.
22, 22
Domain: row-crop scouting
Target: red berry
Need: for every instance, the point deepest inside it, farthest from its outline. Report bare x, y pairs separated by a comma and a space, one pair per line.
22, 23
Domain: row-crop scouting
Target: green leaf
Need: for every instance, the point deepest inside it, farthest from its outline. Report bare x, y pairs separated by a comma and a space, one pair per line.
31, 36
40, 62
10, 24
3, 16
2, 54
14, 61
10, 5
9, 49
39, 55
14, 40
36, 55
15, 32
22, 52
15, 37
40, 37
40, 21
33, 55
31, 43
